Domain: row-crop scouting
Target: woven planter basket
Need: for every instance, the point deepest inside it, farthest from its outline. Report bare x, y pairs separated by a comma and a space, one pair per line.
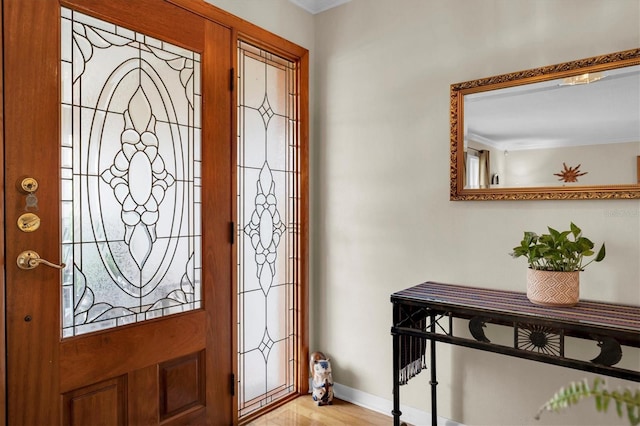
553, 288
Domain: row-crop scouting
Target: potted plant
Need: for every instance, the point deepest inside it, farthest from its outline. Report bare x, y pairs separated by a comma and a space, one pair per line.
555, 261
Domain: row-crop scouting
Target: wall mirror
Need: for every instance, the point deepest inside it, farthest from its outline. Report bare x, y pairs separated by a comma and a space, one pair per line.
565, 131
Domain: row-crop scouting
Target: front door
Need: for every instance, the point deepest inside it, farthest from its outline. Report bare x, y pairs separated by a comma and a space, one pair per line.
117, 213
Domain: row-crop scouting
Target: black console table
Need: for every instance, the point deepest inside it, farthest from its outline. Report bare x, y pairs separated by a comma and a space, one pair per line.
426, 313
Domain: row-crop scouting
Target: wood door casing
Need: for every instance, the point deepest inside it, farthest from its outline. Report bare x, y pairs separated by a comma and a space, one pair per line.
246, 31
159, 370
3, 347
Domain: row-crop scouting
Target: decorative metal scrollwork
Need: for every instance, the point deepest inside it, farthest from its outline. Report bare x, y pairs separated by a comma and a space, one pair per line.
539, 338
476, 326
610, 351
412, 318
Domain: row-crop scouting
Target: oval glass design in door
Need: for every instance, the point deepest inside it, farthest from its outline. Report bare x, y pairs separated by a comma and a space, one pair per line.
130, 169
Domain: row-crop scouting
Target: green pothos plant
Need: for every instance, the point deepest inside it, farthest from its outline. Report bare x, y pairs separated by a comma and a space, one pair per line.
558, 250
626, 400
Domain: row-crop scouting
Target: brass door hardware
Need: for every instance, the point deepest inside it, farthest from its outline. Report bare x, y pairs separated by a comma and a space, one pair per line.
29, 185
29, 259
28, 222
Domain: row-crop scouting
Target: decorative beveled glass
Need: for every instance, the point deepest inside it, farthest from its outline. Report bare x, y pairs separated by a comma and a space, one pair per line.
268, 231
130, 176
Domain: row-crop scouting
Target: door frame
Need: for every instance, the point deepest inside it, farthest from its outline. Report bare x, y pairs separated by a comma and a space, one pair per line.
3, 339
246, 31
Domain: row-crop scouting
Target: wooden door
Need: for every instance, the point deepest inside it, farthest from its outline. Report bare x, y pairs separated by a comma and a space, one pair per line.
74, 357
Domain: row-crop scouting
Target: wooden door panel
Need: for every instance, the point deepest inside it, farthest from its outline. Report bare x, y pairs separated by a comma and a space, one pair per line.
182, 384
101, 404
171, 370
129, 349
162, 20
143, 411
31, 296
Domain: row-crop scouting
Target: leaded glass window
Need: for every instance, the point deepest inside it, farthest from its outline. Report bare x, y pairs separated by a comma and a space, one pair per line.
130, 170
268, 231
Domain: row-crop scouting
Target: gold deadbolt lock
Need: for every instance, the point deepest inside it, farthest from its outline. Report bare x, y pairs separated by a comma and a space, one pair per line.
29, 185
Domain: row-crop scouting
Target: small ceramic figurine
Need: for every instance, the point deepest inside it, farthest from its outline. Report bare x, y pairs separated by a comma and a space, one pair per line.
322, 382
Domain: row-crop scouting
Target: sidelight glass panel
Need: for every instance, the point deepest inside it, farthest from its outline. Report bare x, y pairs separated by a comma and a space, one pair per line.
130, 170
268, 231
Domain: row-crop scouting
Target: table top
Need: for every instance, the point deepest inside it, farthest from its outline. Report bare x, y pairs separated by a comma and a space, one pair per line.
587, 312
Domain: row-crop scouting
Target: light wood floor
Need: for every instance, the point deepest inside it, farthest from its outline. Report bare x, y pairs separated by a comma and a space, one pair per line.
302, 411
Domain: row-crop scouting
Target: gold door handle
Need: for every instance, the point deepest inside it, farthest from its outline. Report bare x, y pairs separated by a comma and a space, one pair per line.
29, 259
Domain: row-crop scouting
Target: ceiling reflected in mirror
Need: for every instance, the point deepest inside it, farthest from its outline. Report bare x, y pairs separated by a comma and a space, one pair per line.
586, 109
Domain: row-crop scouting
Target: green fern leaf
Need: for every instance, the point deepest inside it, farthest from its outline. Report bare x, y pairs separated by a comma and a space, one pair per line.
626, 400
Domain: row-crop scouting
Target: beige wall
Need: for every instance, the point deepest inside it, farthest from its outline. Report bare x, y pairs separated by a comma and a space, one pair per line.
381, 215
280, 17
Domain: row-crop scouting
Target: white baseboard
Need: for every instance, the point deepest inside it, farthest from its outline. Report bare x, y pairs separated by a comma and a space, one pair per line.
410, 415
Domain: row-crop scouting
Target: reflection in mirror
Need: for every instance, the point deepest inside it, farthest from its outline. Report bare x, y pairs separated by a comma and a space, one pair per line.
565, 131
531, 131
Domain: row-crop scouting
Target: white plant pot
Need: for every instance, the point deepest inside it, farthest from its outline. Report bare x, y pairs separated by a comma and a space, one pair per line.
553, 288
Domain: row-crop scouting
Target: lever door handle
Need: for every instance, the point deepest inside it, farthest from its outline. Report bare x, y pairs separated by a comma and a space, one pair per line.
29, 259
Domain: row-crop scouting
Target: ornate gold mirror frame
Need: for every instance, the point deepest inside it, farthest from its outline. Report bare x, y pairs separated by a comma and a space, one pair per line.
572, 191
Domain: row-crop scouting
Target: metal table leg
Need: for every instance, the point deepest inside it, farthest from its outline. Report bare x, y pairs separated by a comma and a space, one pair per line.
396, 381
433, 382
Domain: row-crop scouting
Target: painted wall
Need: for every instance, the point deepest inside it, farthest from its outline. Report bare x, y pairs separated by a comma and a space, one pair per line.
280, 17
381, 216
